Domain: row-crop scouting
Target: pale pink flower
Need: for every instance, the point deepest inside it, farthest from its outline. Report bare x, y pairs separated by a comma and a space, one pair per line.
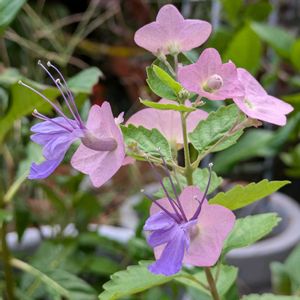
257, 104
211, 79
168, 122
100, 165
171, 33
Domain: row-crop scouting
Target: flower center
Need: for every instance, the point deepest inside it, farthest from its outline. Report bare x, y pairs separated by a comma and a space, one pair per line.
248, 103
173, 47
214, 83
104, 144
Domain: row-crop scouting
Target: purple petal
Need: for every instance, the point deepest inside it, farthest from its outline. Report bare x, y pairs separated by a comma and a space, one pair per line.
43, 170
54, 127
170, 261
158, 221
160, 237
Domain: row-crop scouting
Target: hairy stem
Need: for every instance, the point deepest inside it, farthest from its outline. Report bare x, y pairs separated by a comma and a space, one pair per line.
212, 284
187, 160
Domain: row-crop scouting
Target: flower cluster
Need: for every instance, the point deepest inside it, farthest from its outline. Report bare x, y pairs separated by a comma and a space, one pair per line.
184, 228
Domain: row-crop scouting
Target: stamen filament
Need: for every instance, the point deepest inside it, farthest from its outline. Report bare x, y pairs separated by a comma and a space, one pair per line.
172, 185
165, 191
69, 93
57, 85
197, 212
160, 206
46, 99
45, 118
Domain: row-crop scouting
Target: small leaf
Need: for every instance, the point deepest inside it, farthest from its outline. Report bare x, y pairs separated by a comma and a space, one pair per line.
249, 230
167, 106
241, 196
278, 38
216, 132
133, 280
158, 87
167, 79
281, 282
295, 54
5, 216
84, 81
147, 141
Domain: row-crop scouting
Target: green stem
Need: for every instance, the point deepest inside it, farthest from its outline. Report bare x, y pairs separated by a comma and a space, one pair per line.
212, 284
187, 160
8, 272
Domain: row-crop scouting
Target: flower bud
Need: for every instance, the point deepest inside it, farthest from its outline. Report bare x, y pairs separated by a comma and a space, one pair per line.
214, 83
104, 144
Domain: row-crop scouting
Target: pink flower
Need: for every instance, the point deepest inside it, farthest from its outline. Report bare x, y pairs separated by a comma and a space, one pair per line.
209, 78
257, 104
193, 235
100, 165
168, 122
171, 33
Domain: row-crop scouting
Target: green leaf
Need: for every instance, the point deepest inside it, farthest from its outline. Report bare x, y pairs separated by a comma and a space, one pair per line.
167, 106
200, 179
292, 267
245, 149
84, 81
133, 280
159, 87
232, 9
8, 11
245, 50
226, 279
249, 230
5, 216
167, 79
216, 132
24, 102
241, 196
278, 38
295, 54
258, 11
269, 297
147, 141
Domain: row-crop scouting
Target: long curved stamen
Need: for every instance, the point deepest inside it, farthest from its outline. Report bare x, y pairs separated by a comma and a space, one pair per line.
165, 191
45, 118
197, 212
59, 88
56, 108
160, 206
172, 184
69, 93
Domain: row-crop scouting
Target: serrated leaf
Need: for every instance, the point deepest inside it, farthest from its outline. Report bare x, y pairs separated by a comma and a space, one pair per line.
167, 79
200, 179
216, 132
278, 38
269, 297
133, 280
249, 230
147, 141
226, 279
169, 106
241, 196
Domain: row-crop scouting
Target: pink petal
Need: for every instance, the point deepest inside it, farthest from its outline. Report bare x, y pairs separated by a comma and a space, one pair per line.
100, 165
251, 85
168, 122
214, 224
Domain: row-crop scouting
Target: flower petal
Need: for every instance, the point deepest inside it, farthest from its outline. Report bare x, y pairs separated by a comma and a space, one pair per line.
43, 170
158, 221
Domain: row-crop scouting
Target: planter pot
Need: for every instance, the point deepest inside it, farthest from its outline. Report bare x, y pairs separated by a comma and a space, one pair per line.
254, 261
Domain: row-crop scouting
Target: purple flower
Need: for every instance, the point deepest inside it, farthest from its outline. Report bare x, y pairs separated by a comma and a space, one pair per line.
100, 138
209, 78
257, 104
186, 230
171, 33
